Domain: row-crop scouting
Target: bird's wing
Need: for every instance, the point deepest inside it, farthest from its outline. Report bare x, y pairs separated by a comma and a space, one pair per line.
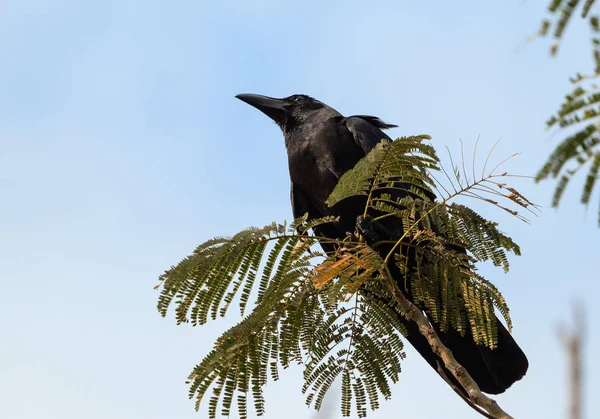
367, 130
373, 120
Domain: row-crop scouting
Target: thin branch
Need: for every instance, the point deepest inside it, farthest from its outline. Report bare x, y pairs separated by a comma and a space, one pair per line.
453, 166
475, 155
488, 157
438, 183
468, 401
486, 189
353, 332
509, 175
462, 158
502, 162
447, 176
457, 370
573, 343
511, 212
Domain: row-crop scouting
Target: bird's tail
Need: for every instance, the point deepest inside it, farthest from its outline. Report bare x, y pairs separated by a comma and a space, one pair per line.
494, 370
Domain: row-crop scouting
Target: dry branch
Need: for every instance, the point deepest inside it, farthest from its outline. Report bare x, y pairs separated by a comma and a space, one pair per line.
573, 343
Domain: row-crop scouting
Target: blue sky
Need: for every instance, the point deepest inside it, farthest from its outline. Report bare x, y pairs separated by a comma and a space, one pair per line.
122, 147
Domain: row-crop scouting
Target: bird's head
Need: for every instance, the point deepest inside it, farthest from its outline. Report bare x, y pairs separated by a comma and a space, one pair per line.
289, 112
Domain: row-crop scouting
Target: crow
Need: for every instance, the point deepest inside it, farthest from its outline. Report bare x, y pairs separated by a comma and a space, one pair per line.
321, 146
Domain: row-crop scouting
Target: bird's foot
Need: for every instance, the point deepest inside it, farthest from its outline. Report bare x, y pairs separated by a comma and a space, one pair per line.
366, 229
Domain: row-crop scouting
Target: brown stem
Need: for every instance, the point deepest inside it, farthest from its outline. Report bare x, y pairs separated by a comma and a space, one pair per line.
468, 401
457, 370
573, 342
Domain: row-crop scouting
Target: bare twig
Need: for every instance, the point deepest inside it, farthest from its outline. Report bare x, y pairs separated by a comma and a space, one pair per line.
458, 371
573, 342
488, 157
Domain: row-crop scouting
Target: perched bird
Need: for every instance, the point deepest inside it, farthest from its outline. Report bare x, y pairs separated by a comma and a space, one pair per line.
322, 145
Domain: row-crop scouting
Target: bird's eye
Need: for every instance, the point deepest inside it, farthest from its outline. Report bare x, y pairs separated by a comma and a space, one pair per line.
297, 99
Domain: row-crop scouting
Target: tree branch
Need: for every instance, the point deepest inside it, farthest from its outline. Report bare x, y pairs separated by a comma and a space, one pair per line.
573, 342
468, 401
457, 370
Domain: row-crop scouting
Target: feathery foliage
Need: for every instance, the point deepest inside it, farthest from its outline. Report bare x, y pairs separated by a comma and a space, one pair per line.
560, 13
579, 114
331, 312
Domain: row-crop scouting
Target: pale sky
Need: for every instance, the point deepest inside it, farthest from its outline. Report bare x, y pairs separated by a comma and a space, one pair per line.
122, 148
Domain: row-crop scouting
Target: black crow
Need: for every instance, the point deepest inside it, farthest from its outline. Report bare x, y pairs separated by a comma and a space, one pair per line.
322, 145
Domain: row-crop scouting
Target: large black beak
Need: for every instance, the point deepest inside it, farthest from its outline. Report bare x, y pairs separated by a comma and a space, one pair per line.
271, 107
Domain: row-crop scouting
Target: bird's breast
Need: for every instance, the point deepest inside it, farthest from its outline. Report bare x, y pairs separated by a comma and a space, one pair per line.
318, 155
310, 171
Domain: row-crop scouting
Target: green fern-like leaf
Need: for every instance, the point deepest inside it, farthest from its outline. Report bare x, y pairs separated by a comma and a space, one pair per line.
402, 164
581, 106
331, 313
591, 178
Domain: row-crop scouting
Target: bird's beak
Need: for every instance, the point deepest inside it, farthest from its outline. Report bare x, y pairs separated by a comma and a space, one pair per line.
271, 107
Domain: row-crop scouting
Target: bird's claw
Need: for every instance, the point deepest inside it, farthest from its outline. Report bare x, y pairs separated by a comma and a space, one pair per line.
365, 228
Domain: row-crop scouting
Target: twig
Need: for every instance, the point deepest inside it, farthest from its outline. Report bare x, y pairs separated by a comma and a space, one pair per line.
468, 401
488, 157
573, 342
457, 370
